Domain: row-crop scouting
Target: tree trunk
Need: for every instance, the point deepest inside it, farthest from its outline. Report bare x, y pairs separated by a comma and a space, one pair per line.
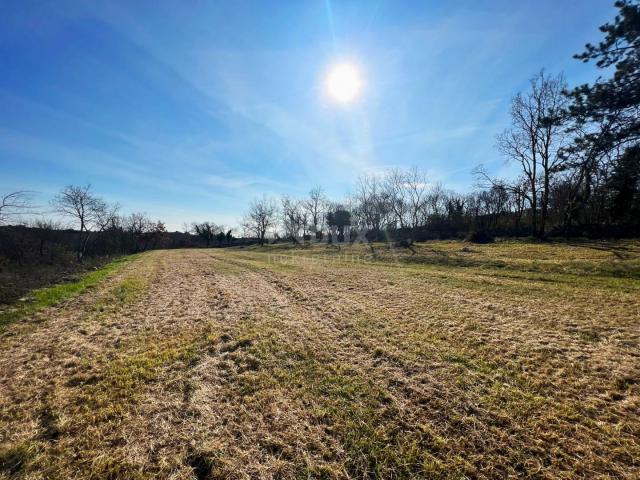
545, 203
80, 243
534, 211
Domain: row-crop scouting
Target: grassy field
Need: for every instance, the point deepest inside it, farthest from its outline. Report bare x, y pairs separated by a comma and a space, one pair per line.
450, 361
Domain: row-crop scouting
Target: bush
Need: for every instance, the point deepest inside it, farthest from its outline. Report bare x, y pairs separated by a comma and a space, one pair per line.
479, 236
403, 243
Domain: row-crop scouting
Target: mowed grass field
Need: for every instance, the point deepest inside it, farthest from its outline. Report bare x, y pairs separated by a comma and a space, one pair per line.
453, 361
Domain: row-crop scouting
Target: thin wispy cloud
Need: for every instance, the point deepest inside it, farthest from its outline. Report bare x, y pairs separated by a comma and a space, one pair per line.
210, 103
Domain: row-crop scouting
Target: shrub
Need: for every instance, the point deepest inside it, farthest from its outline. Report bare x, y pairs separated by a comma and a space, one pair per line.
479, 236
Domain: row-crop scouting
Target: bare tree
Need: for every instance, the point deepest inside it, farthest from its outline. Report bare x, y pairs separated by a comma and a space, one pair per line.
415, 184
536, 138
89, 213
518, 190
494, 204
260, 218
435, 201
158, 233
139, 226
372, 203
518, 199
397, 194
315, 208
293, 218
137, 223
15, 203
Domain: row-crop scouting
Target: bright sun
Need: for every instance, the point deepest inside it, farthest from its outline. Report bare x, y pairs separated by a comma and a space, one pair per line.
343, 82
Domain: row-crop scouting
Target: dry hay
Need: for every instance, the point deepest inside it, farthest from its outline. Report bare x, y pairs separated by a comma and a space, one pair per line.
498, 360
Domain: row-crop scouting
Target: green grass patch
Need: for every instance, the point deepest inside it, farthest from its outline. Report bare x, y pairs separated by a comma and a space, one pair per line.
121, 294
53, 295
360, 414
589, 259
17, 457
92, 406
122, 381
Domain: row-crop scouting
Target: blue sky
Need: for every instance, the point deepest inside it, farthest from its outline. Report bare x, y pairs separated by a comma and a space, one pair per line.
188, 109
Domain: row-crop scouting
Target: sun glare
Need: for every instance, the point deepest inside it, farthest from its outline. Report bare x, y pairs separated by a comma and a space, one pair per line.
343, 83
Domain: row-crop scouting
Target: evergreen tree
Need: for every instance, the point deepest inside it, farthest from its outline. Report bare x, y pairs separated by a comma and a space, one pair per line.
606, 119
614, 103
624, 188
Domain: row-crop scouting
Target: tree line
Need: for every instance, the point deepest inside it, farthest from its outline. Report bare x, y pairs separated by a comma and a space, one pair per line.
85, 224
577, 152
393, 206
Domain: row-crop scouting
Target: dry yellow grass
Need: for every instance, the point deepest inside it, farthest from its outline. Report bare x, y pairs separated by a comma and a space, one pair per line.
455, 361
